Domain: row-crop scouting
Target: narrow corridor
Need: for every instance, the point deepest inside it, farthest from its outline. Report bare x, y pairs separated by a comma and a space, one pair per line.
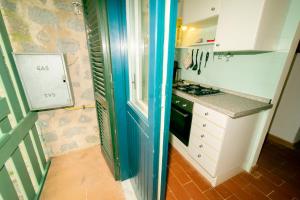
81, 175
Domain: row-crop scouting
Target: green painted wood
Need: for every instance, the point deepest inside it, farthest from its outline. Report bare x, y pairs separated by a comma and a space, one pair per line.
7, 189
3, 139
4, 109
39, 146
10, 90
11, 138
23, 174
95, 14
16, 136
5, 126
7, 51
33, 158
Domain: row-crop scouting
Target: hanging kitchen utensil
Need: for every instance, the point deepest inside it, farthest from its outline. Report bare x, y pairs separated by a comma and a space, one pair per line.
199, 68
206, 58
196, 64
192, 64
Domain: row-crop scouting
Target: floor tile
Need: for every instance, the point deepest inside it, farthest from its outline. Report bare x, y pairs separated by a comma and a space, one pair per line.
289, 189
236, 190
194, 192
241, 179
180, 174
81, 175
232, 197
279, 195
276, 176
199, 180
255, 193
263, 184
223, 191
276, 180
170, 195
212, 194
177, 189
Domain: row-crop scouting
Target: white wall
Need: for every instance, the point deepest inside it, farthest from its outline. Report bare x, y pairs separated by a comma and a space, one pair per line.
286, 124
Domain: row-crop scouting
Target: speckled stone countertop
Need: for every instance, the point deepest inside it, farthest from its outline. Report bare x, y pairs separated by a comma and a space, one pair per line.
229, 104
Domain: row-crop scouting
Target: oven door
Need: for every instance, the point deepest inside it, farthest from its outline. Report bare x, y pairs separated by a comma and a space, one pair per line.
180, 124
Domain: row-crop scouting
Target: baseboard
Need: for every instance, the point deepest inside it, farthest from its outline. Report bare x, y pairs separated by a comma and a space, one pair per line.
282, 142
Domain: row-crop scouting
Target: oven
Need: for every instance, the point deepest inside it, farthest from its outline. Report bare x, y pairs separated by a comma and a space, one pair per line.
181, 118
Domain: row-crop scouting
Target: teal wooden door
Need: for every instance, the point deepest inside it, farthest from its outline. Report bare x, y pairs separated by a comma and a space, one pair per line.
149, 56
99, 53
14, 107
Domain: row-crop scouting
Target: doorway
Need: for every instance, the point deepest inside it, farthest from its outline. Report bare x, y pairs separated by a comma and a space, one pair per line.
285, 127
141, 74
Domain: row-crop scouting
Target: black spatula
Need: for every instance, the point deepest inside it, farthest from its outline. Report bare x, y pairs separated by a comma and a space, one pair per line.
192, 64
199, 69
196, 64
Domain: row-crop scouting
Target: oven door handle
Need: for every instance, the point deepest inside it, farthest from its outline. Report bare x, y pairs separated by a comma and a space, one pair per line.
181, 113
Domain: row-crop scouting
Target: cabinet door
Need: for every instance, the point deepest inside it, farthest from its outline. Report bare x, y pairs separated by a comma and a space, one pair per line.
197, 10
238, 24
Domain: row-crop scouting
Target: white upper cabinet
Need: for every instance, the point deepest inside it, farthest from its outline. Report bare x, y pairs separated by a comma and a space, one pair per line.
249, 25
197, 10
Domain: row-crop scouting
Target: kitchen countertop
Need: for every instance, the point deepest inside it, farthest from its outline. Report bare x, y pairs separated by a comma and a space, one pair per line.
229, 104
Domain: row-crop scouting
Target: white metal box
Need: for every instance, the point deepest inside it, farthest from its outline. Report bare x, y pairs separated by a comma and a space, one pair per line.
45, 80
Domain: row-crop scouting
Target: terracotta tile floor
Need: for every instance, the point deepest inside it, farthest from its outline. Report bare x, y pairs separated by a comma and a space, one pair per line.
277, 176
81, 175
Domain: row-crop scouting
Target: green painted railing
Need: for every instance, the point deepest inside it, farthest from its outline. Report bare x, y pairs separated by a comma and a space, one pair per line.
9, 148
23, 166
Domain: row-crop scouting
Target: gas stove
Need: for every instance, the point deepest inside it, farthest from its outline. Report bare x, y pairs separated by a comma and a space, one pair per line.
196, 90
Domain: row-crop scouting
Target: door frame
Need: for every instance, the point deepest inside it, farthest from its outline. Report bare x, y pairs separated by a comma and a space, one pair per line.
279, 90
168, 64
152, 122
164, 67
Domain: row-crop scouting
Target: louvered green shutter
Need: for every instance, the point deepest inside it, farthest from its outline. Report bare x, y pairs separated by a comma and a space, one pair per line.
97, 36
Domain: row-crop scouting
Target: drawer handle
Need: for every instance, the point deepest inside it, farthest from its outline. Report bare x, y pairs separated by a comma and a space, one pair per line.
184, 105
177, 102
199, 155
206, 113
202, 136
204, 125
200, 146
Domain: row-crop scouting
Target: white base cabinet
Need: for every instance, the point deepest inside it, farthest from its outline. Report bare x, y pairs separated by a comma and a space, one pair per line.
218, 144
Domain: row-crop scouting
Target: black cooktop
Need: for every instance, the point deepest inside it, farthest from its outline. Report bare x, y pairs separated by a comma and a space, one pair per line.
195, 89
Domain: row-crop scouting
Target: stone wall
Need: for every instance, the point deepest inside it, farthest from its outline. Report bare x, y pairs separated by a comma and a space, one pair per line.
41, 26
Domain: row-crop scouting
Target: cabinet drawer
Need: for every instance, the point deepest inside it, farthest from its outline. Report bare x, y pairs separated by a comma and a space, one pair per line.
205, 148
209, 165
214, 116
208, 126
200, 135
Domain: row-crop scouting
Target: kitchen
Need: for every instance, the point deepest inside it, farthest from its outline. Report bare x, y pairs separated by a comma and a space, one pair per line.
220, 90
145, 115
